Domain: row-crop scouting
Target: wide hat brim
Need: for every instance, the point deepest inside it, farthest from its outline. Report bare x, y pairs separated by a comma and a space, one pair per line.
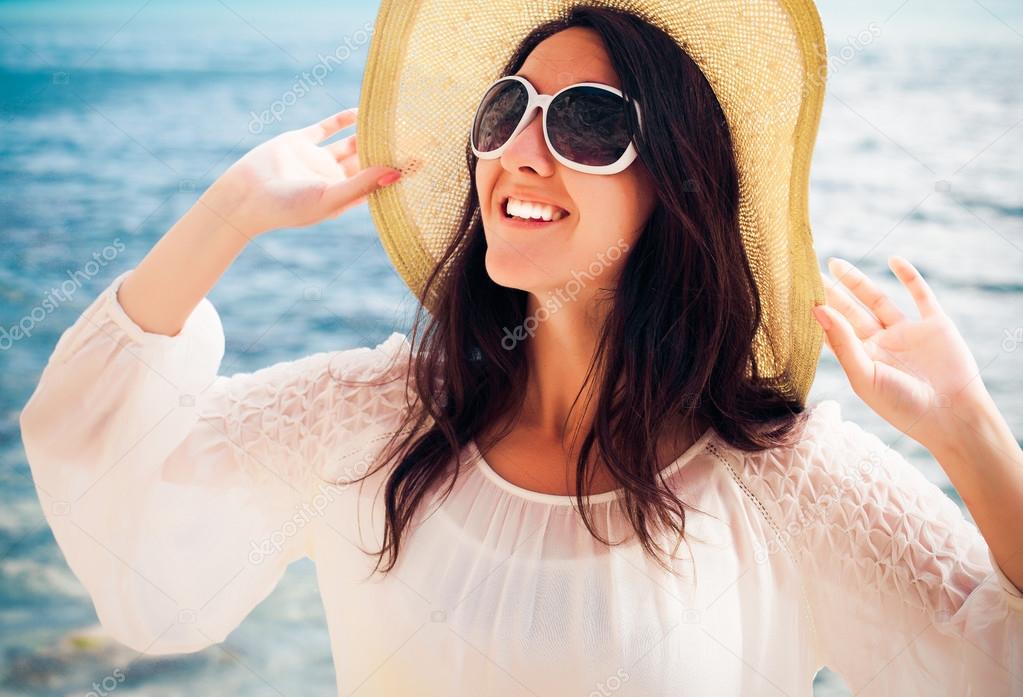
429, 62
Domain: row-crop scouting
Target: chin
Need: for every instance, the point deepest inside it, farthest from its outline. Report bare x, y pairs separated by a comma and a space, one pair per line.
510, 273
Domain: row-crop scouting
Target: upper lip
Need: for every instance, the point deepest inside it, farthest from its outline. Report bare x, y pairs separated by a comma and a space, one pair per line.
528, 196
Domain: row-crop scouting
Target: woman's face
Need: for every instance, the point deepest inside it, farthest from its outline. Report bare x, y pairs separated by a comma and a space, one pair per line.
606, 212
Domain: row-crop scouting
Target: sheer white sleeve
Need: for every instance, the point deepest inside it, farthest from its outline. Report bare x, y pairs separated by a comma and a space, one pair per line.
174, 493
904, 594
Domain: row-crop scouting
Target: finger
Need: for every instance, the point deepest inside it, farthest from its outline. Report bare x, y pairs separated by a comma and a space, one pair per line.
866, 291
849, 351
863, 322
350, 204
345, 192
342, 148
319, 132
923, 296
350, 164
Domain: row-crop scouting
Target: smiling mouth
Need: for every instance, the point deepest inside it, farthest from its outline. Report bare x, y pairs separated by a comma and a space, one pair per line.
557, 210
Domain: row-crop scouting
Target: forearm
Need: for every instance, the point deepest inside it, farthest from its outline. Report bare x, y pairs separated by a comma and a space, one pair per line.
165, 287
985, 465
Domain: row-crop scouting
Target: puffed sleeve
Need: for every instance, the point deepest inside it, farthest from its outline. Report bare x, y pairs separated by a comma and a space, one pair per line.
904, 594
179, 496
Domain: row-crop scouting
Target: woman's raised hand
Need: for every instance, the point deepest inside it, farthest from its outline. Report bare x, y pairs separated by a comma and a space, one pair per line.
916, 373
288, 181
293, 181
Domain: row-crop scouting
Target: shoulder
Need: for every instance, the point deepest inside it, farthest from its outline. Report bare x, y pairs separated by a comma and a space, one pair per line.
782, 482
828, 469
835, 460
841, 487
825, 449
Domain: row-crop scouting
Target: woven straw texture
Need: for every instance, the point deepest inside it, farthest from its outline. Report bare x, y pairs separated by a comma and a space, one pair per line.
430, 61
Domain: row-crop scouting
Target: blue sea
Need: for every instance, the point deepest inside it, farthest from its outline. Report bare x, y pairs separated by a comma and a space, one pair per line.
115, 116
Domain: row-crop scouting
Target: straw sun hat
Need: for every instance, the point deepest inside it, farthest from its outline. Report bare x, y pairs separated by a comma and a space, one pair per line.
430, 61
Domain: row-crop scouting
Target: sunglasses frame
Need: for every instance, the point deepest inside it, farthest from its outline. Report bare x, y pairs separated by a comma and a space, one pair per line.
543, 102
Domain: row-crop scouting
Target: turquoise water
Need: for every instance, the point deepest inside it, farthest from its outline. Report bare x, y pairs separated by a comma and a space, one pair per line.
114, 117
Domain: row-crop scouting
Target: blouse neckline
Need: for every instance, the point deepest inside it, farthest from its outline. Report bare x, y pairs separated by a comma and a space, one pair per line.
567, 500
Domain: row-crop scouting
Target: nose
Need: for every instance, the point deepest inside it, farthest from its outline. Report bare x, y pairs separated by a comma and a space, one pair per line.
528, 150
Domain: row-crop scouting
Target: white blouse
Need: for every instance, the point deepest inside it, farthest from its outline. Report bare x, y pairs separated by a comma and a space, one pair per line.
179, 496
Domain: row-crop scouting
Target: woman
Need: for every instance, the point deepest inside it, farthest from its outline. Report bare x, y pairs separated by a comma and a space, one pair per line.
179, 496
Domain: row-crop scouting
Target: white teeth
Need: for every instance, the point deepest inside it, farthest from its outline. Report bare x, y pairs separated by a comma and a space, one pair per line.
530, 211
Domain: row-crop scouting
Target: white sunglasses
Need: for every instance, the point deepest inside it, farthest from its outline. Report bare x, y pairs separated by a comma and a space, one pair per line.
584, 124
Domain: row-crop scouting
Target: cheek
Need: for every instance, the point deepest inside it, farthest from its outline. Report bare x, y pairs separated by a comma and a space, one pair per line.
486, 177
617, 211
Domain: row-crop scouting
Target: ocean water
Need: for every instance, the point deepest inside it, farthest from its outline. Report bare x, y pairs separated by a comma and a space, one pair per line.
114, 116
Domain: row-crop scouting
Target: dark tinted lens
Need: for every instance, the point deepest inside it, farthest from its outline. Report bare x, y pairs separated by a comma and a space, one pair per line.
499, 113
587, 125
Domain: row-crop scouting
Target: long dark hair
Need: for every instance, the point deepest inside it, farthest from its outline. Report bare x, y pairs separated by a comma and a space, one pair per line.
680, 328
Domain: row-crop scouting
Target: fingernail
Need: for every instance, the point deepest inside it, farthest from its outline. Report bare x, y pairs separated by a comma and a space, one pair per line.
389, 178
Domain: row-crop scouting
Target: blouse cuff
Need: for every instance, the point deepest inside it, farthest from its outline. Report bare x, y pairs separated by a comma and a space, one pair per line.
199, 322
201, 338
